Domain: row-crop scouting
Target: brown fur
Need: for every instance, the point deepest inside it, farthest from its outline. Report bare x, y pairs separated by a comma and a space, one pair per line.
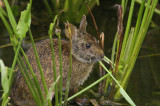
83, 59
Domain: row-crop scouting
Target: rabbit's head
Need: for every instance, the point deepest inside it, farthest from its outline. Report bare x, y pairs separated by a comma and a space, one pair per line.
84, 47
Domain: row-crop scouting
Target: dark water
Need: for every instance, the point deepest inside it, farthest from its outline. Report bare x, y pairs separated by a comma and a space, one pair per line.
144, 84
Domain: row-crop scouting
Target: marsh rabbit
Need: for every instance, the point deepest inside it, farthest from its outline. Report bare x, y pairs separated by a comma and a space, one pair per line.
85, 52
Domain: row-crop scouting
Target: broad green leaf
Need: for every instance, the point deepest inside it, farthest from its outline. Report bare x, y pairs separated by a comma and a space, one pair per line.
4, 77
24, 22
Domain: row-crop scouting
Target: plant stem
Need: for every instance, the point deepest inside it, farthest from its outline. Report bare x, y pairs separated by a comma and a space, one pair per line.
54, 71
6, 23
34, 77
29, 83
50, 31
5, 97
11, 17
39, 65
127, 28
70, 69
157, 11
60, 57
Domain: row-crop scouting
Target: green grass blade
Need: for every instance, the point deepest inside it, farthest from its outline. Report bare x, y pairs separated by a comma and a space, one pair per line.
48, 8
157, 11
70, 69
51, 90
11, 17
107, 60
60, 59
6, 23
4, 77
66, 5
129, 43
125, 6
34, 77
137, 28
127, 28
53, 59
124, 94
29, 83
97, 2
39, 64
5, 95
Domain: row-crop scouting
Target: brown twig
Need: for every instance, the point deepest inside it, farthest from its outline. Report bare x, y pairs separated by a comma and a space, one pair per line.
101, 43
120, 38
95, 25
120, 35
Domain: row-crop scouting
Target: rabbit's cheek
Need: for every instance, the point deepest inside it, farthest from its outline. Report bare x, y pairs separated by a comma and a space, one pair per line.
76, 49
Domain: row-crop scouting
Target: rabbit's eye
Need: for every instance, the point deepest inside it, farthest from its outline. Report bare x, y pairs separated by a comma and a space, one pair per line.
88, 46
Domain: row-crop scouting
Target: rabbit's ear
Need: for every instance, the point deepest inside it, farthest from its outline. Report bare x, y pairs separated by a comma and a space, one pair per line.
70, 30
83, 24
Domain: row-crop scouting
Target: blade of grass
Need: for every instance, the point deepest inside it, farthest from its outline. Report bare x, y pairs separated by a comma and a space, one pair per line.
6, 102
48, 8
107, 60
6, 23
4, 12
11, 17
139, 19
34, 77
66, 5
97, 2
157, 11
54, 5
125, 95
127, 28
50, 90
128, 46
70, 68
5, 95
60, 57
29, 83
125, 6
53, 59
39, 65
